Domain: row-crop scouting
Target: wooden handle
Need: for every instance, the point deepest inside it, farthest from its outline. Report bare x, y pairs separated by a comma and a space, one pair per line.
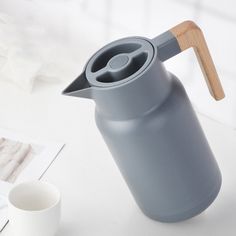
188, 34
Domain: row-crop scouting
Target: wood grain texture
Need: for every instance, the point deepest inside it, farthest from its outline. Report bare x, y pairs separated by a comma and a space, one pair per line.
188, 34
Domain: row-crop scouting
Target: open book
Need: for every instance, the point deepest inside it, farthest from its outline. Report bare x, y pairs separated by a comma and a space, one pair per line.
22, 159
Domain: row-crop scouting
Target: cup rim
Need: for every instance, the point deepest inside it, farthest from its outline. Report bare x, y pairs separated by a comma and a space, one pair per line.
57, 202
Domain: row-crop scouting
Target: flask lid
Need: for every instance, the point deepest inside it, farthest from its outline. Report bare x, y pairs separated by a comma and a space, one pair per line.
119, 62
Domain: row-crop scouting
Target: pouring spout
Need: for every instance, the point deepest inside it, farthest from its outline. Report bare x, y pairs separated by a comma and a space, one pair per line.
79, 87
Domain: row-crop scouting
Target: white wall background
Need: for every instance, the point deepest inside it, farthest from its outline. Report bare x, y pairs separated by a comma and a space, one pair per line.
56, 37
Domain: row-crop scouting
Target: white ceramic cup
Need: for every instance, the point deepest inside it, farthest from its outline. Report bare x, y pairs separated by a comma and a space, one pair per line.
34, 209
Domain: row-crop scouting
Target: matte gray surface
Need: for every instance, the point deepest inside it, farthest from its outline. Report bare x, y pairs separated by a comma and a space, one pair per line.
167, 46
150, 128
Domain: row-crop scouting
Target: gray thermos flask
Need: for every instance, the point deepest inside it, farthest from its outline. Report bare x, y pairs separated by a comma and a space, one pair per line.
148, 122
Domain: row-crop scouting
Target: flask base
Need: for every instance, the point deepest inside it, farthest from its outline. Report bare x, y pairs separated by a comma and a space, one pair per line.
185, 215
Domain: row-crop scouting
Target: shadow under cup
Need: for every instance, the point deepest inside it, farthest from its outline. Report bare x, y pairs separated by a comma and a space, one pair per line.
34, 209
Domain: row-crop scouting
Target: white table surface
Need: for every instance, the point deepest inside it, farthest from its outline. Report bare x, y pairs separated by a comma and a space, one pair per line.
96, 200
